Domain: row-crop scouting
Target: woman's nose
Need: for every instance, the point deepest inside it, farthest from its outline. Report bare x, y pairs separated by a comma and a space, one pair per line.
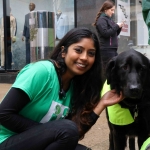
83, 56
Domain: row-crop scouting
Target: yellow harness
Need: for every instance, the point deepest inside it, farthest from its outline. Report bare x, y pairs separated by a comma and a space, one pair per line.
145, 144
117, 115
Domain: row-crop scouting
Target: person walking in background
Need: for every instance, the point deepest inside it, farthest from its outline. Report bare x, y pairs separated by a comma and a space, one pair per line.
26, 32
53, 103
107, 31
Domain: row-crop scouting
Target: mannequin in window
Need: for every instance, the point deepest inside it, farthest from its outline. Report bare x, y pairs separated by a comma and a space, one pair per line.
62, 24
58, 14
26, 33
10, 40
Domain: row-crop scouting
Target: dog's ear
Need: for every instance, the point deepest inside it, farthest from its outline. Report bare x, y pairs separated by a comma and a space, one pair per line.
110, 69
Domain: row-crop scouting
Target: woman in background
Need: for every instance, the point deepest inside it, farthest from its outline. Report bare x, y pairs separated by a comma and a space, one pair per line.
107, 31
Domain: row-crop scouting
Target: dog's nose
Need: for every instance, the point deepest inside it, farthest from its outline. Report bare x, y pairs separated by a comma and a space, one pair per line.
134, 89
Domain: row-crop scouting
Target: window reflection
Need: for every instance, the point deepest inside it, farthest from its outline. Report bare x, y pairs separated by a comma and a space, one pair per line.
19, 53
11, 39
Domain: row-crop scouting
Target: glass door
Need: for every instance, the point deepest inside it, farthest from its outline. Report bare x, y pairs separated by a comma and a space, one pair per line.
32, 29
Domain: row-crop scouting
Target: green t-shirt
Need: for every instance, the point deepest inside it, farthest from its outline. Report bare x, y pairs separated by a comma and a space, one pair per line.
117, 115
40, 82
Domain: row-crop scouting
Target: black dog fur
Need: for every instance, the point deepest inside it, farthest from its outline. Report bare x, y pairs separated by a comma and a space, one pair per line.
129, 72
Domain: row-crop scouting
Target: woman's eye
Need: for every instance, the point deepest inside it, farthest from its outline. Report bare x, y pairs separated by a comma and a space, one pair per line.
91, 54
78, 50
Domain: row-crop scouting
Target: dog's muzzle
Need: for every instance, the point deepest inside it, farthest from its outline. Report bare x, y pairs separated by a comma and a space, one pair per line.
135, 92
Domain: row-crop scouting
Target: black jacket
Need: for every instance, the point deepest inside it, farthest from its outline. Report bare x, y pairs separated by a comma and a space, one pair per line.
108, 31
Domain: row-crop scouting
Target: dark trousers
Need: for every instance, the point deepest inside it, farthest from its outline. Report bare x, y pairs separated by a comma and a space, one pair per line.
27, 50
9, 60
9, 55
107, 54
54, 135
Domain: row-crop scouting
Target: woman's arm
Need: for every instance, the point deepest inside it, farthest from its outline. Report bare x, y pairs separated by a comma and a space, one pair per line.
10, 107
119, 30
105, 29
109, 98
121, 24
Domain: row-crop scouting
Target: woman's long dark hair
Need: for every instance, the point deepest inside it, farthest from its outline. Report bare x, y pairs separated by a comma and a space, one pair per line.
106, 5
86, 87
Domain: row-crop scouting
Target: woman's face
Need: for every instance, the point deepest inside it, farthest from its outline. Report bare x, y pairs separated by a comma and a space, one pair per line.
110, 11
80, 57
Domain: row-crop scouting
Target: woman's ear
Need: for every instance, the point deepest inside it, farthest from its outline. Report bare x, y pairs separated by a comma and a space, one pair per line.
62, 52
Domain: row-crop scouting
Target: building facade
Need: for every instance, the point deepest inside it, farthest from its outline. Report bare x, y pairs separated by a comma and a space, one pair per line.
52, 19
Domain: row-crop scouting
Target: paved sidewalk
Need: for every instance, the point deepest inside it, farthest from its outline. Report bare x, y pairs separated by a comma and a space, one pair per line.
96, 138
3, 89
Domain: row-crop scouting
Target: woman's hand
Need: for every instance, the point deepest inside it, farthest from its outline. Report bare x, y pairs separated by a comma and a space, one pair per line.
121, 24
109, 98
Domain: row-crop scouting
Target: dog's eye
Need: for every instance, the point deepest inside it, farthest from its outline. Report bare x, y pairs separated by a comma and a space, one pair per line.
141, 69
125, 67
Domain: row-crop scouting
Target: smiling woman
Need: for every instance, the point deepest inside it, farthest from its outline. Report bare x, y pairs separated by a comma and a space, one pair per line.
54, 94
79, 57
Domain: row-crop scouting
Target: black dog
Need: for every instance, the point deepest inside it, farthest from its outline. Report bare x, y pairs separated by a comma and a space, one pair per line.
129, 72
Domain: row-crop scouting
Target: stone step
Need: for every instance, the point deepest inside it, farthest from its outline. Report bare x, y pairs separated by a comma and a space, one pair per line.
8, 77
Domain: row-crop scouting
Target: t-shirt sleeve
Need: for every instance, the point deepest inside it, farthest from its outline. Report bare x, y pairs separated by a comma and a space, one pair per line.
32, 79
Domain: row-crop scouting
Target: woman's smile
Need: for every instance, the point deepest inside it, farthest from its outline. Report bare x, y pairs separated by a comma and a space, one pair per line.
81, 65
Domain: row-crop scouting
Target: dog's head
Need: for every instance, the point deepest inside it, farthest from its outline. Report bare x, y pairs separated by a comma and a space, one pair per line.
129, 72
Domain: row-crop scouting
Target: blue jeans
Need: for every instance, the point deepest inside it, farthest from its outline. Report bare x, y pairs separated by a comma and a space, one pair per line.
53, 135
